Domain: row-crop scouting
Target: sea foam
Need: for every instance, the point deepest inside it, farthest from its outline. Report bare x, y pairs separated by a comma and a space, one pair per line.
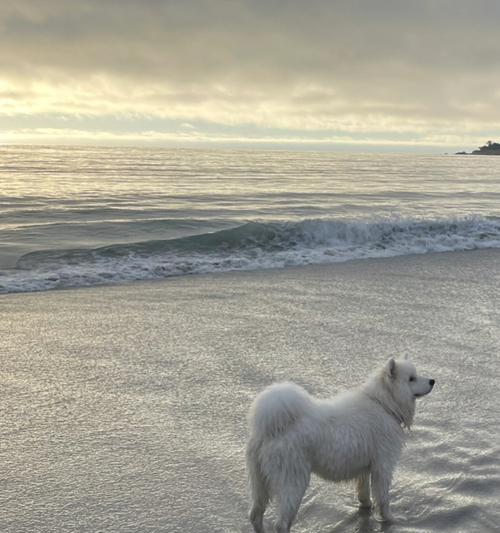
250, 246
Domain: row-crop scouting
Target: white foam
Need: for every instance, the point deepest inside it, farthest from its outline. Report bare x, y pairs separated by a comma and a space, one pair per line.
251, 247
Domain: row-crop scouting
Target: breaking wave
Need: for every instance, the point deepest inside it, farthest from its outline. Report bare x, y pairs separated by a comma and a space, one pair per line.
250, 246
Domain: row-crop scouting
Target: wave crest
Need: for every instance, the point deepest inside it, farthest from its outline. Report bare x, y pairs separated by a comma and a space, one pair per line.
250, 246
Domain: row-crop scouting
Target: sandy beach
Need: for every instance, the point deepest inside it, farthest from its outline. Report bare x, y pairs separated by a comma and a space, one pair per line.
124, 407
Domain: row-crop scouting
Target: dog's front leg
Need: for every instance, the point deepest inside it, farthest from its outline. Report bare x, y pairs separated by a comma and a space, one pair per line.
381, 482
363, 488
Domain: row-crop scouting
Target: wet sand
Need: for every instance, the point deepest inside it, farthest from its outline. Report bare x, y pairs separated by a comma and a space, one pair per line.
124, 407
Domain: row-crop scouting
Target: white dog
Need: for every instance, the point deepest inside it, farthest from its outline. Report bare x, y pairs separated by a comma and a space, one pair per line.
358, 435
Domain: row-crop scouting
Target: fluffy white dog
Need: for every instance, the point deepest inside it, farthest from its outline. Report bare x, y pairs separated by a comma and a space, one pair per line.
358, 435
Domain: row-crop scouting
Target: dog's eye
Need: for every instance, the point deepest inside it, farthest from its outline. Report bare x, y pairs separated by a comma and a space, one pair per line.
412, 378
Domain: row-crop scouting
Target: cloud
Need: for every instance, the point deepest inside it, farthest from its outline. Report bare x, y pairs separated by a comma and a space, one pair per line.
340, 67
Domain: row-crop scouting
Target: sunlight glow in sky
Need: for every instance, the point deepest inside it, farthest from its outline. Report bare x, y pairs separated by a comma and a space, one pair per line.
373, 74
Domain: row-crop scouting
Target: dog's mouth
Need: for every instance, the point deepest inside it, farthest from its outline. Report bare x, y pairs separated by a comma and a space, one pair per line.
420, 394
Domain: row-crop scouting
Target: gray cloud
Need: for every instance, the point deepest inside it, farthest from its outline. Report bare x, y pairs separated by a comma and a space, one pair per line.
291, 64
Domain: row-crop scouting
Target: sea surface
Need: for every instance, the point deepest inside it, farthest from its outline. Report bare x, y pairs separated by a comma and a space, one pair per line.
84, 216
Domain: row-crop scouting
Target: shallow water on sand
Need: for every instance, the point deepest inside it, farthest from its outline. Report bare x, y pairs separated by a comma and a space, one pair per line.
124, 407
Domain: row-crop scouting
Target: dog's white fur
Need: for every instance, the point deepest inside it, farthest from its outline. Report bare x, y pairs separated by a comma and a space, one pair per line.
358, 435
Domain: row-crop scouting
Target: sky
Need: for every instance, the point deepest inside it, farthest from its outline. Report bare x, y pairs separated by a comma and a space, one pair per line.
371, 75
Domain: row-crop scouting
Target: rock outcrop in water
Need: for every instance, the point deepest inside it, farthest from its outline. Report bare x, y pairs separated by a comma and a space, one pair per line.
490, 148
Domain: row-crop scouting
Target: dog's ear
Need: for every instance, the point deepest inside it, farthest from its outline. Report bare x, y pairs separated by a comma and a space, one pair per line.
390, 368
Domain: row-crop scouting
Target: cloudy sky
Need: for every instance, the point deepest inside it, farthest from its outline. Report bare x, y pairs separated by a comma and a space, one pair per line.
418, 75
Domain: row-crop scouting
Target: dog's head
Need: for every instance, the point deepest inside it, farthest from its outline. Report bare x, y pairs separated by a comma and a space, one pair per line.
401, 386
402, 376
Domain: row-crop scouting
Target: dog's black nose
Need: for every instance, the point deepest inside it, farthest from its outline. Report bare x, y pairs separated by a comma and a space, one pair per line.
431, 382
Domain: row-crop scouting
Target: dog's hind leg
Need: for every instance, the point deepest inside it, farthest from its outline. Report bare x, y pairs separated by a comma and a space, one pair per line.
289, 495
363, 488
258, 488
260, 499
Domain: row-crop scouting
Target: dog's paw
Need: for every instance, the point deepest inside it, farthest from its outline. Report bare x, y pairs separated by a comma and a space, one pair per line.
385, 514
364, 513
365, 504
387, 517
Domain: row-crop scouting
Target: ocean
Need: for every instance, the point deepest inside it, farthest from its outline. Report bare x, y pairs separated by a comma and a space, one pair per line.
85, 216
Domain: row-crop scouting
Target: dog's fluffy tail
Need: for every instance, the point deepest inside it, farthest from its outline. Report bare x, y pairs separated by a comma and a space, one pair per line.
276, 408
